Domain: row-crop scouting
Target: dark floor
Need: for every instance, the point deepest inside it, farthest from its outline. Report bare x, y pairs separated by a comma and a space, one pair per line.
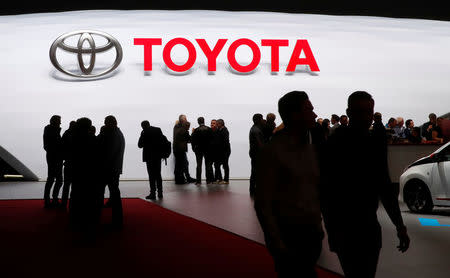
230, 207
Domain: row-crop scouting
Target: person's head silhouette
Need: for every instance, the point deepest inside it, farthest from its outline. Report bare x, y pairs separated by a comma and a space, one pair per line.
201, 121
55, 121
145, 124
360, 110
257, 119
296, 111
110, 121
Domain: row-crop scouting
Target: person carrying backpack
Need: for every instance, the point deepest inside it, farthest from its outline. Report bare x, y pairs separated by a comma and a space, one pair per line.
155, 147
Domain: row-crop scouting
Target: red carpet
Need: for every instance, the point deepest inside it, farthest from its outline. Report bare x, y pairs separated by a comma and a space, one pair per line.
155, 242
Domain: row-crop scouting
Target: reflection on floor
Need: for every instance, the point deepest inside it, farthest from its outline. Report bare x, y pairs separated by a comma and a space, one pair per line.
229, 207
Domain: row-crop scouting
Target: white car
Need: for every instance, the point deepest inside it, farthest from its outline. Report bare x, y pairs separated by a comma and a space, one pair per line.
426, 182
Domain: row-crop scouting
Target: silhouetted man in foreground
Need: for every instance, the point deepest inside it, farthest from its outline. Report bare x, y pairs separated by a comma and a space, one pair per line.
350, 198
256, 141
54, 157
201, 139
287, 198
112, 146
151, 141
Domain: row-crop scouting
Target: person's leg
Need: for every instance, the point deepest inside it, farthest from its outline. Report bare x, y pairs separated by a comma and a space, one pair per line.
58, 182
67, 182
116, 201
217, 169
186, 168
358, 261
304, 245
158, 179
179, 161
151, 178
226, 168
252, 176
51, 175
209, 169
199, 160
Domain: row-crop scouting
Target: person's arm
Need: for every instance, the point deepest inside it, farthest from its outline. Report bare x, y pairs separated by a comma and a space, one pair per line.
266, 182
141, 140
435, 137
389, 199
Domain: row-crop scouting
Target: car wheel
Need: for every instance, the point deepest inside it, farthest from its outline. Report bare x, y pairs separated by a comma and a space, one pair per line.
418, 198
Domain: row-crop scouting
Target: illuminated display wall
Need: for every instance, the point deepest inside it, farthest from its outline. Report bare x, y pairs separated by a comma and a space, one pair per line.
403, 63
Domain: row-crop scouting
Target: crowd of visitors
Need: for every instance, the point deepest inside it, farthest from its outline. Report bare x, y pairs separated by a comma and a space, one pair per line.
91, 163
396, 130
294, 181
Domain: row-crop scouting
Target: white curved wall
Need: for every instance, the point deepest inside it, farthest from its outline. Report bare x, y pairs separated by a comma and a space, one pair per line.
403, 63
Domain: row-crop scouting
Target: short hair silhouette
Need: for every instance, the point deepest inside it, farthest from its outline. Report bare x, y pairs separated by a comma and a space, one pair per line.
221, 122
377, 116
335, 117
257, 118
290, 103
357, 96
408, 122
55, 119
201, 120
145, 124
72, 125
271, 117
84, 125
110, 121
432, 116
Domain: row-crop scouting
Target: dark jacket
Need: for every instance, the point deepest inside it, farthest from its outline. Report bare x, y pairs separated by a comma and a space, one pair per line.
52, 141
256, 140
201, 138
355, 178
112, 147
428, 134
67, 146
215, 143
181, 138
151, 141
224, 142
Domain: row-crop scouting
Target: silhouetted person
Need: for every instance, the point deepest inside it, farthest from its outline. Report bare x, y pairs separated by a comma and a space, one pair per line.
414, 137
350, 198
287, 191
67, 145
427, 128
85, 196
409, 126
326, 128
269, 126
201, 139
223, 152
151, 141
343, 120
256, 141
112, 146
181, 138
335, 123
378, 130
54, 157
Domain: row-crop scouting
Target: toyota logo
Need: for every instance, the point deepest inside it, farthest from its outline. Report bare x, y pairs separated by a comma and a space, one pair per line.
91, 49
